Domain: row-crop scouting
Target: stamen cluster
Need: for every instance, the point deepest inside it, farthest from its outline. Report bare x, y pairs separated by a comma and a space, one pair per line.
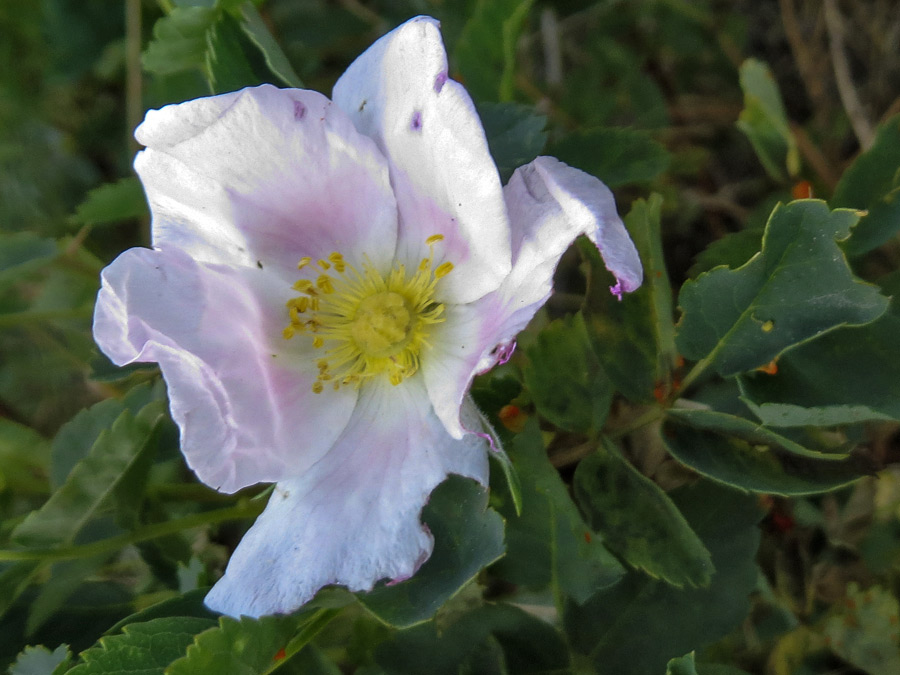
368, 323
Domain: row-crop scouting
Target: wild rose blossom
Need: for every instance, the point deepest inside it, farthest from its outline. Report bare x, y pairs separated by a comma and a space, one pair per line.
326, 279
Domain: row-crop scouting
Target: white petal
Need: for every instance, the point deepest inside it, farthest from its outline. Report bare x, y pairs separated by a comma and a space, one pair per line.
445, 181
268, 175
354, 517
550, 204
238, 391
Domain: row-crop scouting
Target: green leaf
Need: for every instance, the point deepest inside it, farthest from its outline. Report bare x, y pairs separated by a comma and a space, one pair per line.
525, 645
683, 665
742, 454
467, 537
638, 520
872, 183
189, 604
617, 156
92, 480
638, 625
24, 459
22, 252
565, 378
846, 376
634, 338
256, 29
796, 288
14, 579
765, 122
53, 593
112, 202
231, 58
515, 134
549, 542
179, 41
249, 646
142, 648
41, 661
485, 52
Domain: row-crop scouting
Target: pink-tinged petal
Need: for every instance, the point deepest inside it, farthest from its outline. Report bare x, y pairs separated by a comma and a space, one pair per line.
240, 393
354, 517
550, 204
444, 179
268, 175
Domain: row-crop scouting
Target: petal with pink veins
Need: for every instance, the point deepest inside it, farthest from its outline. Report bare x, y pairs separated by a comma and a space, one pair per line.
268, 175
443, 175
354, 517
550, 204
240, 393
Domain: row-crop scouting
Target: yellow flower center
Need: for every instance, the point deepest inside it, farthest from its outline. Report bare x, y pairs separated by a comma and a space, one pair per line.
366, 323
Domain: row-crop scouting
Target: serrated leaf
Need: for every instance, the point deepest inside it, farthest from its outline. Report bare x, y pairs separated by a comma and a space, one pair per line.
179, 41
634, 338
617, 156
638, 520
230, 57
872, 183
41, 661
256, 29
485, 52
745, 455
245, 647
92, 480
526, 645
549, 542
638, 625
765, 122
565, 378
846, 376
515, 134
468, 536
142, 648
189, 604
112, 202
798, 287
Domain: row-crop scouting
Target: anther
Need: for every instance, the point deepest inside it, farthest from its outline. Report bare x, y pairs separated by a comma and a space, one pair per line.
434, 238
288, 332
304, 261
324, 264
318, 342
317, 387
443, 270
324, 282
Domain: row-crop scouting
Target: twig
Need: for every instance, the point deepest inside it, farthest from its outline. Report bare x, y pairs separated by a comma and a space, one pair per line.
552, 52
814, 157
862, 127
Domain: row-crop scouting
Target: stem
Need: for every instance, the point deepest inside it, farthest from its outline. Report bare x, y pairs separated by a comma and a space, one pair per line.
647, 418
244, 509
694, 373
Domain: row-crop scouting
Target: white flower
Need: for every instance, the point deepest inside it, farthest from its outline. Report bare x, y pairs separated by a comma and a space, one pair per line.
343, 381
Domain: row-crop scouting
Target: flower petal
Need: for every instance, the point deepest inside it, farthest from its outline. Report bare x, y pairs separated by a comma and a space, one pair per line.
240, 393
268, 175
550, 204
354, 517
445, 181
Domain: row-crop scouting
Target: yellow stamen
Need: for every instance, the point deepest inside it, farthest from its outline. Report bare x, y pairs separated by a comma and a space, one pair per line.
304, 261
369, 322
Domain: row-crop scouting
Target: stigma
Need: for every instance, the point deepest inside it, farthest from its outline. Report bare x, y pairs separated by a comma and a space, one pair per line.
366, 323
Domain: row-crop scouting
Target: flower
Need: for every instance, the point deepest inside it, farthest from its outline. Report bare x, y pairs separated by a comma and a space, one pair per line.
326, 279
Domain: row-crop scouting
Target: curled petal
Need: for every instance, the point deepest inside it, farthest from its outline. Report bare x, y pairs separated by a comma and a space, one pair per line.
242, 400
354, 517
265, 176
550, 204
445, 181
